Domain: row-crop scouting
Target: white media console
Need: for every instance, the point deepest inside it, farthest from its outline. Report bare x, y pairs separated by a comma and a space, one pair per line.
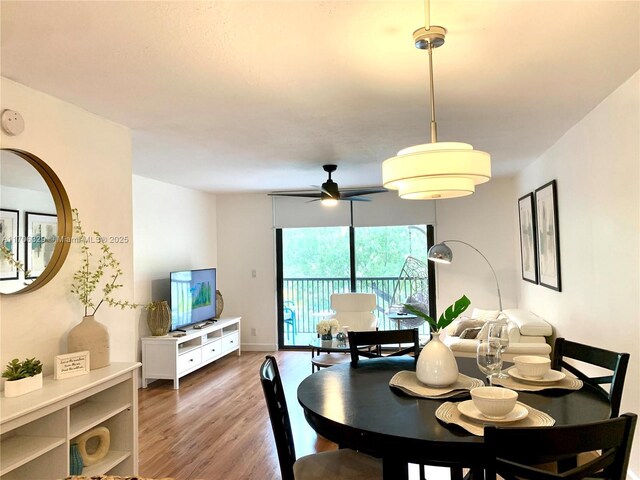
172, 357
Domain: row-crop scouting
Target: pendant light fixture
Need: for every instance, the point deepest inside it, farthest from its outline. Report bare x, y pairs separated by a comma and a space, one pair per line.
438, 169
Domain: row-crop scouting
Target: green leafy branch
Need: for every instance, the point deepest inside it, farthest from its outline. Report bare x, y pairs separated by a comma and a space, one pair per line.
86, 282
7, 254
449, 315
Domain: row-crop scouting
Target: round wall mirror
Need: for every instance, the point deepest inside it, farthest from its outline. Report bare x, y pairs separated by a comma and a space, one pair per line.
35, 222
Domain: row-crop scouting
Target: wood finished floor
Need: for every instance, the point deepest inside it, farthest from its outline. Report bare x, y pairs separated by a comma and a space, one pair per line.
217, 426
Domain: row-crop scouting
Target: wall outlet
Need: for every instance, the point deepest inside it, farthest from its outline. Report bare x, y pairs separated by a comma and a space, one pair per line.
254, 332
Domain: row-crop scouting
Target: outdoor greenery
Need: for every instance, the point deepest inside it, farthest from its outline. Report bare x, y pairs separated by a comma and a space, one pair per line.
324, 252
16, 370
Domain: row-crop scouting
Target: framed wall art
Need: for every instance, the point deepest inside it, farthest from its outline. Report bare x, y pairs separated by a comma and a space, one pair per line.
9, 238
528, 243
548, 236
42, 235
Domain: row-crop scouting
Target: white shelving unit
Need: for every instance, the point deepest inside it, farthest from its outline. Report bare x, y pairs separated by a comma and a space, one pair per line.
37, 429
172, 357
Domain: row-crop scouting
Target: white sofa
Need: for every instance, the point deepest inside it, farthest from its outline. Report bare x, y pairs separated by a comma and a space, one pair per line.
527, 334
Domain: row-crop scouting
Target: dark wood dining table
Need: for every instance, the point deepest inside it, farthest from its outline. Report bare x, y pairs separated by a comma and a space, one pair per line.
356, 408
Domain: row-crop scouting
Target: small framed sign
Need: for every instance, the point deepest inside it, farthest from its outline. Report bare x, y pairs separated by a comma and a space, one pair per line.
71, 365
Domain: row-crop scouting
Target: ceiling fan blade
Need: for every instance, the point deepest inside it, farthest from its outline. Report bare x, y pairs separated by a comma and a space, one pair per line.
356, 192
295, 194
355, 199
321, 189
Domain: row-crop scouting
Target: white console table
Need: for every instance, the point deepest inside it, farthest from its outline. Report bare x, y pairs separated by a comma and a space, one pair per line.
172, 357
38, 428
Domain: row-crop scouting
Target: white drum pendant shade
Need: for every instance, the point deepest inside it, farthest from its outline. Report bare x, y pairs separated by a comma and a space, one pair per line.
436, 170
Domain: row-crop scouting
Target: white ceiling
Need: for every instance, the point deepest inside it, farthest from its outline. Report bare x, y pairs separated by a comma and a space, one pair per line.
256, 96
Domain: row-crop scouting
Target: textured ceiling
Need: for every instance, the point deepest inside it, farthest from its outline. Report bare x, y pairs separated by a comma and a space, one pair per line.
256, 96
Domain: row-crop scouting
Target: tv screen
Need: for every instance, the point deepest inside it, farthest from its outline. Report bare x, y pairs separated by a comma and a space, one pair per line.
193, 297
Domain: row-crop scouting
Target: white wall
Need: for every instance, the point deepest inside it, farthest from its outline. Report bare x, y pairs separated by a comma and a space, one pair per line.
246, 244
92, 157
174, 228
597, 168
487, 220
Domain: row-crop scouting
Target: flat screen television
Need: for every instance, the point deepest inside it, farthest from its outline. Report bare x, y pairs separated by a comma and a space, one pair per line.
193, 297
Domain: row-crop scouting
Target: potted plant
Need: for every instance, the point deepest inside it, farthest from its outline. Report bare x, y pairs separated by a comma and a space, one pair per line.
94, 283
437, 366
22, 377
325, 328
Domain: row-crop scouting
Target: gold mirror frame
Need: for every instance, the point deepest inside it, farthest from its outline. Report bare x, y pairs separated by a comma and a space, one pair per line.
65, 220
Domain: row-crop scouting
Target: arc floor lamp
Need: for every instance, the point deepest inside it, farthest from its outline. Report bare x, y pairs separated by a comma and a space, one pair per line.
441, 253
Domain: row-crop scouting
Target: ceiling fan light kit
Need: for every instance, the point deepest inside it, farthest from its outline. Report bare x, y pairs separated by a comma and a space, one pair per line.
435, 170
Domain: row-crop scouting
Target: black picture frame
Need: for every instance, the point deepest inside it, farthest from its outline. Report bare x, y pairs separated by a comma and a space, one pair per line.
528, 238
9, 236
42, 235
548, 236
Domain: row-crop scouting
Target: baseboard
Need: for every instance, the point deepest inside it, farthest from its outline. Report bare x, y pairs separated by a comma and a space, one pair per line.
259, 347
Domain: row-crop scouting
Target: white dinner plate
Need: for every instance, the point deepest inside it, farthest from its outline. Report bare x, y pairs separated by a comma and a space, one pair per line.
552, 376
468, 409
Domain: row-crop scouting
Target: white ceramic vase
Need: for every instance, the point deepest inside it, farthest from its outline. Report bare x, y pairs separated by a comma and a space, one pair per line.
437, 366
16, 388
93, 336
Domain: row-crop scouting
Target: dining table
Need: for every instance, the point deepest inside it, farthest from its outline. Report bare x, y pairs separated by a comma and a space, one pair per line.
356, 408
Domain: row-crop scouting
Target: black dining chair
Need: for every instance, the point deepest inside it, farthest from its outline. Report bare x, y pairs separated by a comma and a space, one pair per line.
337, 464
529, 452
378, 338
616, 363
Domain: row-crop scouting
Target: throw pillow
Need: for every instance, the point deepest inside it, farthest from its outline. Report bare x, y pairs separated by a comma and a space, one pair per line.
485, 315
465, 324
470, 333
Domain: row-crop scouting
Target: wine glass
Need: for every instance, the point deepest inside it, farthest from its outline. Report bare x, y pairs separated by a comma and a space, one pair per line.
500, 333
489, 358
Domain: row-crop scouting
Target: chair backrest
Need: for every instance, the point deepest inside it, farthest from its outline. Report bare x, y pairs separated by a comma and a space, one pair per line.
615, 362
514, 452
379, 338
279, 415
355, 310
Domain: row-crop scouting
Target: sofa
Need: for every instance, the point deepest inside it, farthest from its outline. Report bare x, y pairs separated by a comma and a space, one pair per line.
527, 333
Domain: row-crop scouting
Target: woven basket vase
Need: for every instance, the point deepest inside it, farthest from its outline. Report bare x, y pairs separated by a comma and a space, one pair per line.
159, 319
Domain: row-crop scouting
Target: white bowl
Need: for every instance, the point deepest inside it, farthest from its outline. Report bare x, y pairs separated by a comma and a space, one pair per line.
494, 402
531, 366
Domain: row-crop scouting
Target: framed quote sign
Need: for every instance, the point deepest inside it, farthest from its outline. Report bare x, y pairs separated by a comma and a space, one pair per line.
71, 365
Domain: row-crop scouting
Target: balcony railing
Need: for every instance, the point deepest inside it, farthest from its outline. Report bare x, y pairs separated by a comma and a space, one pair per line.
310, 298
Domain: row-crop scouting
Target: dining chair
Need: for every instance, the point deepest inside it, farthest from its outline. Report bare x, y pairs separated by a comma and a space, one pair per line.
616, 363
337, 464
519, 452
379, 338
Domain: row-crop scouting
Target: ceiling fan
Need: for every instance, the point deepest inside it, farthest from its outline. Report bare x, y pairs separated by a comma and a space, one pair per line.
329, 193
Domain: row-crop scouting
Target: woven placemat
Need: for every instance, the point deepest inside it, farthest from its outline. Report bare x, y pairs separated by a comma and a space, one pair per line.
408, 383
448, 412
567, 383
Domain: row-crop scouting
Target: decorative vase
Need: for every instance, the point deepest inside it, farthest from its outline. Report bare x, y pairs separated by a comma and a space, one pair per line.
159, 318
341, 337
327, 336
437, 366
15, 388
93, 336
75, 460
219, 304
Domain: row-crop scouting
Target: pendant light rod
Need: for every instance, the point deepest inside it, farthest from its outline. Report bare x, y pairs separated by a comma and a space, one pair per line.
427, 14
434, 125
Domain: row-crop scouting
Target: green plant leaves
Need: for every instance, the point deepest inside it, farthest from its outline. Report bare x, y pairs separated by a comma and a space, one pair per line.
449, 315
16, 370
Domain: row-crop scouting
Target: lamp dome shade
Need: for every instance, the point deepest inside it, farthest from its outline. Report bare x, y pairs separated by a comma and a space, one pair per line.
436, 170
440, 253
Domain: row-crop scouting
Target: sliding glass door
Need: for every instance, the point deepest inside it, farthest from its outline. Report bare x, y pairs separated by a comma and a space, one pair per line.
313, 263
